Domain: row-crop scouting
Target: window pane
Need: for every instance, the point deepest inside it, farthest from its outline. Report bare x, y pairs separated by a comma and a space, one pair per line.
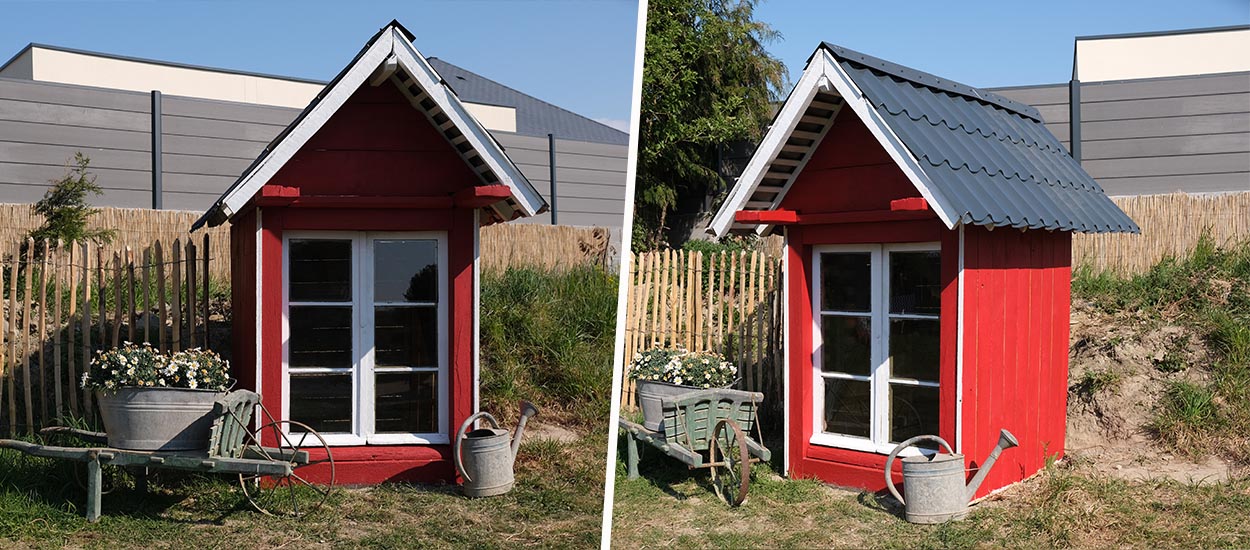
913, 411
320, 270
405, 271
323, 401
847, 407
847, 344
846, 281
914, 345
916, 282
407, 402
321, 336
405, 336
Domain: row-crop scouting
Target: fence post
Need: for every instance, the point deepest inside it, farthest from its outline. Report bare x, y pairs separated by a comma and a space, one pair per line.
204, 302
160, 295
13, 340
69, 330
176, 307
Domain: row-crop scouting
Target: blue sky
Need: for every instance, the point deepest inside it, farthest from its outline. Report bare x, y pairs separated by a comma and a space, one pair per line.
980, 43
576, 54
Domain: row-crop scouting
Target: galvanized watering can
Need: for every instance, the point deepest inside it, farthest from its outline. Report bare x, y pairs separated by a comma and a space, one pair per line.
484, 457
935, 484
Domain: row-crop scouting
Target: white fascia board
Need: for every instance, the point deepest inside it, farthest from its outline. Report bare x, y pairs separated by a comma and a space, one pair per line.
852, 96
791, 112
415, 64
310, 124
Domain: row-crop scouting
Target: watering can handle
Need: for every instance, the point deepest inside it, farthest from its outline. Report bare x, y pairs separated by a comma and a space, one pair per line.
889, 462
455, 452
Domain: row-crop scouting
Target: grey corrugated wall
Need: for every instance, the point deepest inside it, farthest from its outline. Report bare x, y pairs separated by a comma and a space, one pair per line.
208, 143
1149, 136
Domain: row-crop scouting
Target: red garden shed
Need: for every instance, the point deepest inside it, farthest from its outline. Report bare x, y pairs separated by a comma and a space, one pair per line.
354, 243
928, 251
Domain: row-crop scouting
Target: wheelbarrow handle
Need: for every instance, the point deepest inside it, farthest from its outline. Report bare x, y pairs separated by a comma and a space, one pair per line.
889, 462
455, 452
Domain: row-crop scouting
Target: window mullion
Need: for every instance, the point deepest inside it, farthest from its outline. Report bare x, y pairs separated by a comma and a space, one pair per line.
881, 341
364, 380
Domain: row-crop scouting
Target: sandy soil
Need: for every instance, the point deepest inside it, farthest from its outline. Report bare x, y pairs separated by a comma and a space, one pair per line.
1107, 424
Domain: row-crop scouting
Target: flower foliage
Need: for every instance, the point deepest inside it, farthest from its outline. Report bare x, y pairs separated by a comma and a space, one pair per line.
135, 365
701, 369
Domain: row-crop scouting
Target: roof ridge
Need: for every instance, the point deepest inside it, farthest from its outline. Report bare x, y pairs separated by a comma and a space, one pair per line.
535, 98
930, 80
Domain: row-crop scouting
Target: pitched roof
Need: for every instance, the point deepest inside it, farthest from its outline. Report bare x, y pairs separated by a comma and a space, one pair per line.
535, 117
978, 158
389, 56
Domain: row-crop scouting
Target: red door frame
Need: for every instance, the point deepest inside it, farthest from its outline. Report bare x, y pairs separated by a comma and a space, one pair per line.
842, 466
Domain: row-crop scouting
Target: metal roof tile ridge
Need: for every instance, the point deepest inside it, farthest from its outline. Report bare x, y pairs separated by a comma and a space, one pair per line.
514, 90
930, 80
994, 133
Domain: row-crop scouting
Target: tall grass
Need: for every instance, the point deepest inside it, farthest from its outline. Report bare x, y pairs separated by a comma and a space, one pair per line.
1210, 291
547, 337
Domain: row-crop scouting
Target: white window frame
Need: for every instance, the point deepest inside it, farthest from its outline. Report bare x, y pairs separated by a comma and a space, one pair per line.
362, 304
879, 378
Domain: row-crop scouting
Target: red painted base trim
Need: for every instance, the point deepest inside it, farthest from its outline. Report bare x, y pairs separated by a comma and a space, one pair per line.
371, 465
844, 468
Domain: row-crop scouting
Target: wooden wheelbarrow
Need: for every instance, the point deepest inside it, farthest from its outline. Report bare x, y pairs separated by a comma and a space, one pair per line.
267, 475
706, 429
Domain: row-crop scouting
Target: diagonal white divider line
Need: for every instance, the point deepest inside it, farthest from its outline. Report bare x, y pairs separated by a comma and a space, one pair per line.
622, 290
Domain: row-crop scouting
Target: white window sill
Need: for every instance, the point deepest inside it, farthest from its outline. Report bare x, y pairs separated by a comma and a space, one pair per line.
352, 440
864, 445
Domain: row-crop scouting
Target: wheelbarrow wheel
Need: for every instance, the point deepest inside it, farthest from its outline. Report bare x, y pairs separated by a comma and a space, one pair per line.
731, 462
291, 495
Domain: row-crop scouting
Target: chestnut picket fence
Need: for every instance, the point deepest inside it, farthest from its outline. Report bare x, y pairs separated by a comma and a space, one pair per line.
64, 301
728, 302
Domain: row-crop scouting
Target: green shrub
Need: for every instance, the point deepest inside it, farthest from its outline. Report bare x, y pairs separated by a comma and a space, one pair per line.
548, 337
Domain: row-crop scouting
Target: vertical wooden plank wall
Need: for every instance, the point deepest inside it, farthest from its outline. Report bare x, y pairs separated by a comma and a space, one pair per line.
728, 302
62, 302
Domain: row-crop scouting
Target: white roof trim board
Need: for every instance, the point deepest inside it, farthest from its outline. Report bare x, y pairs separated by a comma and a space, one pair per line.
823, 75
390, 46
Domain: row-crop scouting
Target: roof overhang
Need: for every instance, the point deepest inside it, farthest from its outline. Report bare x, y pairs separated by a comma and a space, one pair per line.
823, 76
390, 57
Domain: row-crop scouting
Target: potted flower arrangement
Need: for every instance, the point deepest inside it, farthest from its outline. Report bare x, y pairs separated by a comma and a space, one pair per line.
151, 401
666, 372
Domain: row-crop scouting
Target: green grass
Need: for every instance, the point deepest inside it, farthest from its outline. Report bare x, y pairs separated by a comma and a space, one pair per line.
41, 507
547, 337
1066, 506
1208, 290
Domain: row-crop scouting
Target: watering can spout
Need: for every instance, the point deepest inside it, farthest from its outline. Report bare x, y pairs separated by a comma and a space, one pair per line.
527, 410
1005, 441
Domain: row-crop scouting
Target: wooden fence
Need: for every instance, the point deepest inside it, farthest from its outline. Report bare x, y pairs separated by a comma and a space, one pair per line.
134, 228
62, 306
1171, 225
551, 247
727, 302
502, 245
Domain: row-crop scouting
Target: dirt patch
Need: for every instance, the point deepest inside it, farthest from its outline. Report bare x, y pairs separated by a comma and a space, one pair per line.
1120, 367
536, 430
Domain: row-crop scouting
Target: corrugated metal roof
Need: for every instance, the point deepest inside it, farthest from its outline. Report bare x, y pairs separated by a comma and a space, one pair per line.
992, 159
534, 117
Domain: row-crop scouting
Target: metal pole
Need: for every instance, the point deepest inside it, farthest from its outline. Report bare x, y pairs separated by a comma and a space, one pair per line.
157, 192
1074, 118
551, 148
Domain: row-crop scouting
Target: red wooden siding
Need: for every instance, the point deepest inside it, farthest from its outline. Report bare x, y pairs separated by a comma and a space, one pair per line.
848, 172
841, 466
1015, 328
376, 144
370, 464
1015, 347
243, 299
